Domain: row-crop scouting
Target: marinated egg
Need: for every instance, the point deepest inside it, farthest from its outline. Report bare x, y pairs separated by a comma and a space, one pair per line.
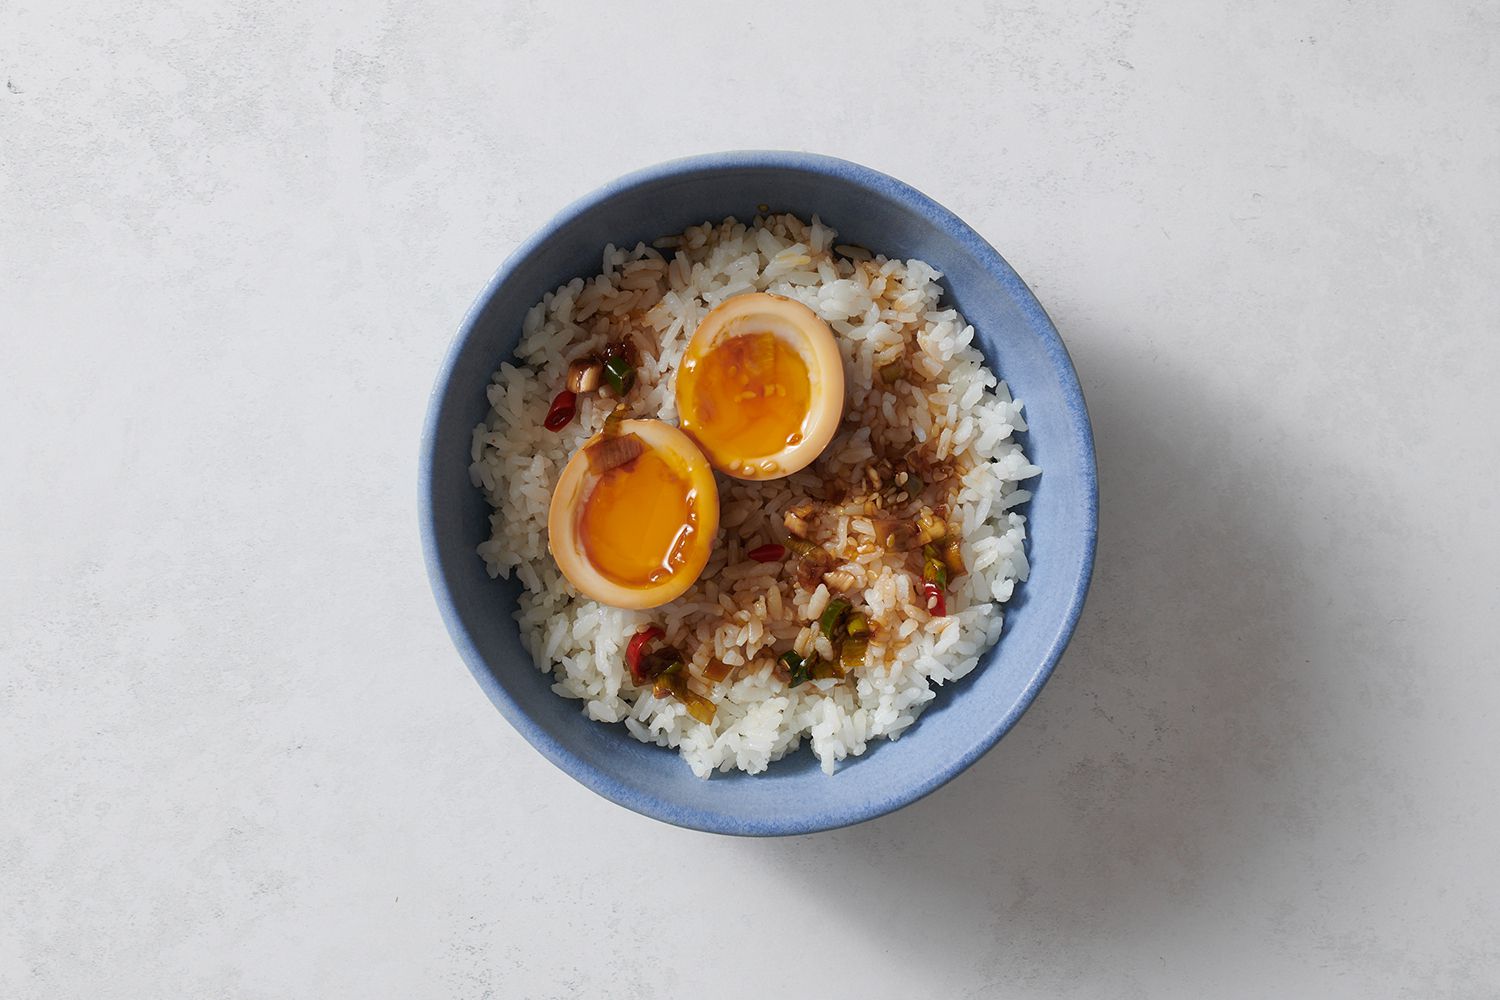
761, 386
634, 515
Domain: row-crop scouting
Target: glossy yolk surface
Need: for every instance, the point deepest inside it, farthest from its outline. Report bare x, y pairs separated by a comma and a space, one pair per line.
638, 522
746, 397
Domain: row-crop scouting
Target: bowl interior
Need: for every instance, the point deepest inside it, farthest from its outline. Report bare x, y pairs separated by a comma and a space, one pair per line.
1016, 337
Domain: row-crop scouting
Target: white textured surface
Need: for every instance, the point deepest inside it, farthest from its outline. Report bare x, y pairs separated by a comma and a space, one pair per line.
239, 757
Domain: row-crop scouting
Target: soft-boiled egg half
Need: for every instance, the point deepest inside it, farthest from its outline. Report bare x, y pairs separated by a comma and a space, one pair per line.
634, 515
761, 386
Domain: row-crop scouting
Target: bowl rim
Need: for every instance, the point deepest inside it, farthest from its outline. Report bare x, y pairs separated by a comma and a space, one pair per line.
579, 768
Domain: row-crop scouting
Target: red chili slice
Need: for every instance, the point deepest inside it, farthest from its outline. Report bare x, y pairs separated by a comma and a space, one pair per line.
564, 405
937, 601
637, 649
768, 553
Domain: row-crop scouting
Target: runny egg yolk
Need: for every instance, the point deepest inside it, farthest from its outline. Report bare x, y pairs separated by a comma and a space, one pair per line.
639, 521
760, 387
747, 397
634, 515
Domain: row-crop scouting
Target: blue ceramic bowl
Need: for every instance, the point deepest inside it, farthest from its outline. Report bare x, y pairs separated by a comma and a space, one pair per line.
967, 718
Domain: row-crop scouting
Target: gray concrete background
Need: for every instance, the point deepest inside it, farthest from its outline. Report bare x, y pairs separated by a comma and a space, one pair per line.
238, 755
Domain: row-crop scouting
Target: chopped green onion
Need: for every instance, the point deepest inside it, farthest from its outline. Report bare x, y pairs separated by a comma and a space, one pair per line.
933, 571
668, 680
820, 669
930, 527
852, 653
672, 682
799, 676
892, 373
913, 484
616, 417
833, 616
621, 374
802, 546
795, 666
858, 624
953, 558
698, 706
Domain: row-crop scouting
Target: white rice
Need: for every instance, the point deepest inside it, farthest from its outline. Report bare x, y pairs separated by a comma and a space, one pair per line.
742, 612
